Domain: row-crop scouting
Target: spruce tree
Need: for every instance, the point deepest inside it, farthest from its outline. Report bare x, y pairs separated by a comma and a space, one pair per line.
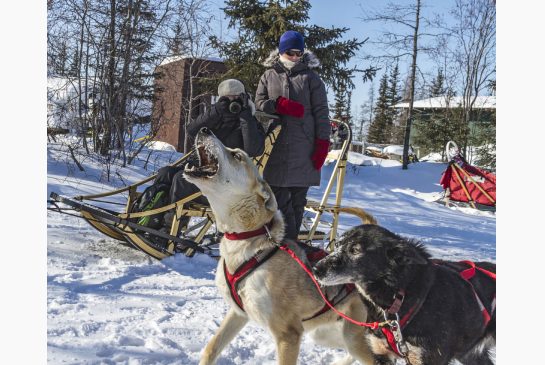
379, 129
365, 116
343, 96
437, 87
260, 25
394, 97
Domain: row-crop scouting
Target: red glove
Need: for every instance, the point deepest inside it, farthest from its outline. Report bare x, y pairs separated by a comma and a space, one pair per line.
289, 107
321, 148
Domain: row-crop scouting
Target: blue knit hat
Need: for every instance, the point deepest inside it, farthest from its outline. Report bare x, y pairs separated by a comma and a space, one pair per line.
291, 40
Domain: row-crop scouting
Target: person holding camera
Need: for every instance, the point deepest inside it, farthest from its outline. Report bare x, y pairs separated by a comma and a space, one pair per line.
232, 120
292, 89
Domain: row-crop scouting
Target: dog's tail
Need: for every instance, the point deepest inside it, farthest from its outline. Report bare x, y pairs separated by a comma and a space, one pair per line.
364, 216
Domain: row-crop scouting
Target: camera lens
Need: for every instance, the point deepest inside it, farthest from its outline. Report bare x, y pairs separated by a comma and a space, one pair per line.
235, 107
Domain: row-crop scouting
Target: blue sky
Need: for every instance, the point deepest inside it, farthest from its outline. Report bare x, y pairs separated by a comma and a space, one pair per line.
349, 13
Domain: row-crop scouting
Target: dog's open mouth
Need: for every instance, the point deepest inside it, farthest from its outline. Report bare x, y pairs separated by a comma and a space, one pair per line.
201, 163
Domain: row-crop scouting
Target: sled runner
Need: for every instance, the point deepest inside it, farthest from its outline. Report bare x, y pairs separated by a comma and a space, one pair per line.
467, 184
139, 228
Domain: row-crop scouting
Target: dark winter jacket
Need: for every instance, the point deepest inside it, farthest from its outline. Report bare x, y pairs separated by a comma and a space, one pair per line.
290, 163
233, 130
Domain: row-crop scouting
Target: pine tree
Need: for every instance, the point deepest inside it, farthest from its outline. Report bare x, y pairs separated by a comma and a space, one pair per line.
365, 115
437, 87
260, 25
348, 112
74, 69
343, 97
394, 97
61, 60
379, 129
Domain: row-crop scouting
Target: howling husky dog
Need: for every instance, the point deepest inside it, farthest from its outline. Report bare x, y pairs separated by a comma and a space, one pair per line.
277, 294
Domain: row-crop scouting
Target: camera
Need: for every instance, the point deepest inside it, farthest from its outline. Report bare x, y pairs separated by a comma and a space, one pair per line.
239, 103
235, 107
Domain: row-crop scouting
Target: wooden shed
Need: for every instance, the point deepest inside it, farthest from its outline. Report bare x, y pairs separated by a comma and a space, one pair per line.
174, 93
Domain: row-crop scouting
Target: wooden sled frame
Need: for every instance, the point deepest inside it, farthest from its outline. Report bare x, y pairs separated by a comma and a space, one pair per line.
121, 226
319, 208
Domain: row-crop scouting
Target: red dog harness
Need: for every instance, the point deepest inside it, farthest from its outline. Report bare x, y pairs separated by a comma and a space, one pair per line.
246, 268
467, 274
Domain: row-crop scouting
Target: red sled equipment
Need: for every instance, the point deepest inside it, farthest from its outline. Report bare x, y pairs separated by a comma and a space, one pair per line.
466, 183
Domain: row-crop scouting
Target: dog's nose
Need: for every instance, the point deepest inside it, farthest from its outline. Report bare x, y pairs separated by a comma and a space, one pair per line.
206, 131
318, 270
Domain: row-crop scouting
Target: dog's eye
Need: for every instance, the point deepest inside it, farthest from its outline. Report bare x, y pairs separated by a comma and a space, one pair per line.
236, 156
354, 249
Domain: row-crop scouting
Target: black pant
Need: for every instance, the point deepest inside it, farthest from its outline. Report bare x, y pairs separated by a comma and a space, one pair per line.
182, 188
179, 188
291, 202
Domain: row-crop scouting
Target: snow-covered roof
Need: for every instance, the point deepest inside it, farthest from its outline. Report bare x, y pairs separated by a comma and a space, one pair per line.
171, 59
444, 102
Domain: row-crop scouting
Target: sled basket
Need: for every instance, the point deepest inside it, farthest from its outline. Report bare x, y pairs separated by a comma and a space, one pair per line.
200, 237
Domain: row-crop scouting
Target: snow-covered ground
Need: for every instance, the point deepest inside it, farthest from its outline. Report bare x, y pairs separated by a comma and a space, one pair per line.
110, 304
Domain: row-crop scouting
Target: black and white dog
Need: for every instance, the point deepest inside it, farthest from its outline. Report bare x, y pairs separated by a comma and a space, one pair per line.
444, 310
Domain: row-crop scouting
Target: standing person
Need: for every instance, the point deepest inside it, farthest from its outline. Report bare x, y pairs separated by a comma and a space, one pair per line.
292, 89
234, 125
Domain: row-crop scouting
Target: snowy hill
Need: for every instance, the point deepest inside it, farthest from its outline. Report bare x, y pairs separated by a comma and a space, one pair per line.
110, 304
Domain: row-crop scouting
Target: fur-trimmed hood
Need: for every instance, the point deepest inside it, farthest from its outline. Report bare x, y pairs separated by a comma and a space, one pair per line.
308, 58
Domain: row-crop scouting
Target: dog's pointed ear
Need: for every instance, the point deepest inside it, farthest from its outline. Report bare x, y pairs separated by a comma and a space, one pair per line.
405, 254
267, 194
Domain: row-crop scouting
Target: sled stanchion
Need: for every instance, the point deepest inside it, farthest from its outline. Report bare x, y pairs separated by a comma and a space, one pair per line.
200, 236
447, 197
338, 196
132, 197
261, 161
178, 214
337, 176
464, 188
318, 209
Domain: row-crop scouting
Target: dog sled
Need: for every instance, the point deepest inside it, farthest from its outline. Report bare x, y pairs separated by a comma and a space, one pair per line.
200, 235
466, 184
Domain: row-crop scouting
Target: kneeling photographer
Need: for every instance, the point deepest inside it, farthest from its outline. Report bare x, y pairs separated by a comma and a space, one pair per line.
232, 120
